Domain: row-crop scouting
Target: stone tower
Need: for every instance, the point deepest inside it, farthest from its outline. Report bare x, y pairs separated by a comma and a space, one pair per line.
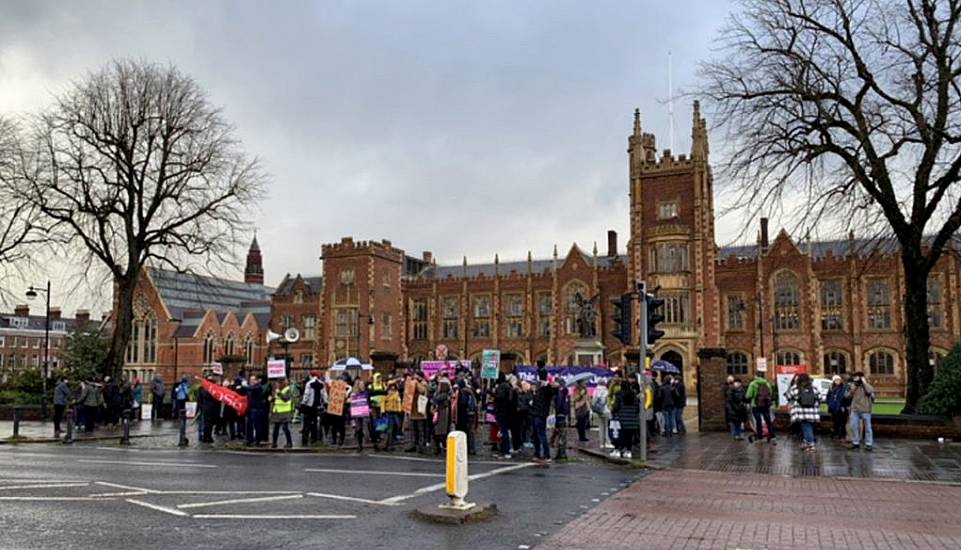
672, 239
254, 272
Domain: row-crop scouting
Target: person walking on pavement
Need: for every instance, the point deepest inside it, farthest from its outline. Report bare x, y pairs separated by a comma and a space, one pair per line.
760, 394
805, 404
280, 413
582, 411
680, 401
157, 392
735, 408
600, 408
861, 395
627, 412
562, 411
837, 406
61, 398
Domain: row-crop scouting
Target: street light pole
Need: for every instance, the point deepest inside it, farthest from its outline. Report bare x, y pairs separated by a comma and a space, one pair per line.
31, 294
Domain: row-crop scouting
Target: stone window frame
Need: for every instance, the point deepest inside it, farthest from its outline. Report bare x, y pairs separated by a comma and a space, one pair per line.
450, 317
878, 317
740, 310
870, 362
671, 257
544, 318
515, 319
844, 362
786, 308
310, 327
664, 210
481, 323
795, 355
832, 309
937, 307
730, 366
419, 318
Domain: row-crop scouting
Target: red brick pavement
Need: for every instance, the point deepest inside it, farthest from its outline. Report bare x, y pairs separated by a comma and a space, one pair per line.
692, 509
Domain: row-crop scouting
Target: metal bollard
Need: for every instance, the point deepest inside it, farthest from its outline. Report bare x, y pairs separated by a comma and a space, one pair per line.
183, 430
125, 421
16, 422
69, 438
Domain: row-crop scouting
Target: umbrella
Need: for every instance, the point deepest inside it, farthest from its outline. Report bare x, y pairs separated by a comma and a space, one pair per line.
350, 363
664, 366
587, 376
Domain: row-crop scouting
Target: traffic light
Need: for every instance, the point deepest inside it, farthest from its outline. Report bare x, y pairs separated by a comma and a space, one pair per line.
622, 318
653, 318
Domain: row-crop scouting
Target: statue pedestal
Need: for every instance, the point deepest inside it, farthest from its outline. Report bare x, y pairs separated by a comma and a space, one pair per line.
588, 352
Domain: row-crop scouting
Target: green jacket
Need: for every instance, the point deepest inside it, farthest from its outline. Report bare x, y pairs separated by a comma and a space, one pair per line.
751, 394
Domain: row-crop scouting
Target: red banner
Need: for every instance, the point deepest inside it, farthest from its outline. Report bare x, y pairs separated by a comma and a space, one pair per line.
226, 396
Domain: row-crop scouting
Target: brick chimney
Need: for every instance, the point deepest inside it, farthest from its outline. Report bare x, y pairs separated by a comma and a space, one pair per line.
428, 257
611, 243
764, 241
55, 314
22, 310
82, 315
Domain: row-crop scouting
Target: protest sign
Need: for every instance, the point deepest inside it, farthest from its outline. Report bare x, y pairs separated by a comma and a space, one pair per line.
217, 368
431, 368
490, 363
359, 407
784, 374
276, 368
336, 395
410, 388
226, 396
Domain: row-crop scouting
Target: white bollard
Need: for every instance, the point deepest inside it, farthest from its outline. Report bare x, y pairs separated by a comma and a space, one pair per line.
457, 477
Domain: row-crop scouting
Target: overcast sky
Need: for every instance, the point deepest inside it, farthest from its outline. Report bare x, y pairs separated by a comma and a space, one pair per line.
464, 128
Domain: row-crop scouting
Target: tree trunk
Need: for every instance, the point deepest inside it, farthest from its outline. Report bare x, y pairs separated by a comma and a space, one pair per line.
117, 355
917, 334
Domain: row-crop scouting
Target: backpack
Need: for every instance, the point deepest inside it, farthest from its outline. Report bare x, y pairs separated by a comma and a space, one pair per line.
181, 392
806, 397
598, 405
763, 396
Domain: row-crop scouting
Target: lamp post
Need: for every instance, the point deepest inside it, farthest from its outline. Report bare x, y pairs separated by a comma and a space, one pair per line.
31, 294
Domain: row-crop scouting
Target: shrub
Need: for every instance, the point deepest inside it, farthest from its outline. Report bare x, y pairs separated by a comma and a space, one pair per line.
15, 397
944, 395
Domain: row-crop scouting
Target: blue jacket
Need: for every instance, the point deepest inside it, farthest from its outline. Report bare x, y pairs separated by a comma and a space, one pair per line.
836, 398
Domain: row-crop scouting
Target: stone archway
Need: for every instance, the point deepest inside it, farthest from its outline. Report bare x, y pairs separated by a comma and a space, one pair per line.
674, 358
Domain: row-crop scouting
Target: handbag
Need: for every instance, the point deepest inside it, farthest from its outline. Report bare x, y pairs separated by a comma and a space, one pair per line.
422, 404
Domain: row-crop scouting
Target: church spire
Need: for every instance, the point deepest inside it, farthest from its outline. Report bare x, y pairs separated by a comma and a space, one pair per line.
254, 271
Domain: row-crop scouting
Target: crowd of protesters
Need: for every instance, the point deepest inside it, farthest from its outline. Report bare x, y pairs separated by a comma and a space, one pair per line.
95, 403
849, 404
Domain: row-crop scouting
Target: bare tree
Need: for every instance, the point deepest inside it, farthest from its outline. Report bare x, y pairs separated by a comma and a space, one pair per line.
18, 233
134, 166
851, 109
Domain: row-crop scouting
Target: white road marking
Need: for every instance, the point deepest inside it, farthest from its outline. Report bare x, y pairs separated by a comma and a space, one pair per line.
244, 516
38, 481
410, 458
371, 472
237, 501
225, 492
438, 486
351, 499
31, 499
125, 487
171, 511
168, 464
47, 486
127, 494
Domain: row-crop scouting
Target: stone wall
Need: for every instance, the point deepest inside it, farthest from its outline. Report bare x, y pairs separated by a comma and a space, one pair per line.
711, 374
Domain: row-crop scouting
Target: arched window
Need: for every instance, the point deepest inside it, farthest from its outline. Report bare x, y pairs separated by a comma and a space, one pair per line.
787, 357
249, 351
879, 304
150, 340
736, 363
880, 363
835, 362
229, 345
787, 295
209, 349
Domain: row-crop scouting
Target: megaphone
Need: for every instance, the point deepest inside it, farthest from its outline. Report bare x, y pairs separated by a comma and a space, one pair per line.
291, 335
271, 336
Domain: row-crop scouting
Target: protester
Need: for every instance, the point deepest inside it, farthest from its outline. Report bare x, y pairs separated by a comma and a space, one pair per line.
760, 394
227, 420
240, 429
838, 408
540, 410
137, 398
61, 398
520, 433
599, 407
281, 412
157, 393
805, 402
111, 398
505, 404
562, 411
209, 409
735, 408
861, 395
181, 394
680, 401
256, 409
90, 398
582, 411
394, 410
418, 415
668, 399
442, 405
627, 412
311, 404
466, 413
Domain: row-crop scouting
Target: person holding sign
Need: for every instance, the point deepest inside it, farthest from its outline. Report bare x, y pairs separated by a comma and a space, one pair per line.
418, 413
280, 413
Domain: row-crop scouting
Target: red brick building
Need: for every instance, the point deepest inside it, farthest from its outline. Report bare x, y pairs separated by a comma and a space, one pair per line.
834, 306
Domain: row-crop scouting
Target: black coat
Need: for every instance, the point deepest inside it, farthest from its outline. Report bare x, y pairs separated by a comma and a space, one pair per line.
735, 406
666, 393
541, 405
627, 410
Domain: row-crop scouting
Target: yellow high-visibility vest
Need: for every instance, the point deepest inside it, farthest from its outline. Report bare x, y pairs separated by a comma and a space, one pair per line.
282, 402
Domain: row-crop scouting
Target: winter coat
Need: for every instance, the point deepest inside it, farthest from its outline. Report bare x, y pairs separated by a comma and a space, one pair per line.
680, 395
627, 410
282, 395
541, 406
138, 395
207, 404
157, 388
421, 390
751, 394
861, 396
667, 397
90, 396
61, 395
505, 399
442, 406
735, 404
836, 398
582, 402
599, 401
562, 402
799, 413
464, 415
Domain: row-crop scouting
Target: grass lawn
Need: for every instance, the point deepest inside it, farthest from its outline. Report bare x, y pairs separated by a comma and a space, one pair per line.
881, 406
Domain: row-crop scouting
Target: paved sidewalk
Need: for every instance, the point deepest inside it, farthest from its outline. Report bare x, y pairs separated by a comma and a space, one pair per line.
679, 510
44, 430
